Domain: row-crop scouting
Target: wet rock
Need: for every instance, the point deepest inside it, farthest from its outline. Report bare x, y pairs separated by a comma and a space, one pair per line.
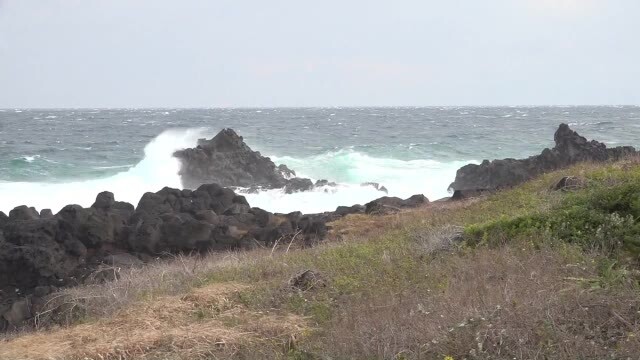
228, 161
297, 185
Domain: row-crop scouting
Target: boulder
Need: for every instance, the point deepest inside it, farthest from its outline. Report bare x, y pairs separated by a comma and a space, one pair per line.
570, 148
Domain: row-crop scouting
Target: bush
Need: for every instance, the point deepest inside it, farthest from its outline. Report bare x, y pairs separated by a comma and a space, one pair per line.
603, 218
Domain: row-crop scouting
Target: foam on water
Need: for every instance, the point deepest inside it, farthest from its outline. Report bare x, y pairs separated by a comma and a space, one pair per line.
159, 168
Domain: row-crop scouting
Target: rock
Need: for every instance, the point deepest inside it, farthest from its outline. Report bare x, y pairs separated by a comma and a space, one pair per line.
3, 219
297, 185
347, 210
386, 205
226, 160
19, 312
321, 183
285, 171
569, 183
23, 213
570, 148
236, 209
376, 186
104, 201
46, 214
306, 280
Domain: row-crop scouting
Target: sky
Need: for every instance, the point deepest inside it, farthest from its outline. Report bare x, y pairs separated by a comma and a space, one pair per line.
294, 53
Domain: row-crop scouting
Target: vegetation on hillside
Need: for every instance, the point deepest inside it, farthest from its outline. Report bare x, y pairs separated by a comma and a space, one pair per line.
528, 273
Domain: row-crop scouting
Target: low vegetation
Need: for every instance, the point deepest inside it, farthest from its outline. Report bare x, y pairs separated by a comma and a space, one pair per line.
527, 273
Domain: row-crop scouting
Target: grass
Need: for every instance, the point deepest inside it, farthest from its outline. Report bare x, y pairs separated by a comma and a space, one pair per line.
528, 273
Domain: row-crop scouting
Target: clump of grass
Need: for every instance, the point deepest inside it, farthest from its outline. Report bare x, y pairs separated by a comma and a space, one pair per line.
602, 217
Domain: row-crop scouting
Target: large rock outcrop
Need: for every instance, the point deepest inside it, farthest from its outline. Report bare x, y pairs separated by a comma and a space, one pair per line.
228, 161
570, 148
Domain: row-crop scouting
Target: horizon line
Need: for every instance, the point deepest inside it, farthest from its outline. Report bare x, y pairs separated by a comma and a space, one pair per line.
310, 107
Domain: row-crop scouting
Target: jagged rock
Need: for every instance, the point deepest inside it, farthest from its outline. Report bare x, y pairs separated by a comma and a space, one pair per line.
285, 171
228, 161
570, 148
297, 185
386, 205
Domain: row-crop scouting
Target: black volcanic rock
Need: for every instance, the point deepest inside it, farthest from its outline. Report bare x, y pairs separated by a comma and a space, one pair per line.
226, 160
386, 204
570, 148
52, 251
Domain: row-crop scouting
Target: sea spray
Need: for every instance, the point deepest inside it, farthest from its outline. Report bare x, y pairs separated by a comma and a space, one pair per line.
157, 169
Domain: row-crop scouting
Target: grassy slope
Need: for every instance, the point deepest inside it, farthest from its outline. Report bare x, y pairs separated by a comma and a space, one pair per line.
540, 274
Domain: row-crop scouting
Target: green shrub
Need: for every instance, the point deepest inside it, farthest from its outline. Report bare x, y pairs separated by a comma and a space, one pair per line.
602, 217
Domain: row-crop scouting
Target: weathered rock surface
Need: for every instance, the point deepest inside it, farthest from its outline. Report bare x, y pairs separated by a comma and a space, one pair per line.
570, 148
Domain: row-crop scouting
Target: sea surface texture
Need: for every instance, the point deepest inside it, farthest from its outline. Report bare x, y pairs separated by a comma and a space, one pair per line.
50, 158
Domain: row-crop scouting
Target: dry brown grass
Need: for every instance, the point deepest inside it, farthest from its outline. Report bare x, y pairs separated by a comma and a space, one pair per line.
504, 303
204, 324
174, 276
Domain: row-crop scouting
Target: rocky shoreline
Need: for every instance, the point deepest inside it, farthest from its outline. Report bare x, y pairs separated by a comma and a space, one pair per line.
41, 252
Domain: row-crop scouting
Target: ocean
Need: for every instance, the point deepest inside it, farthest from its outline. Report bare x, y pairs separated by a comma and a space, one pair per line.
51, 158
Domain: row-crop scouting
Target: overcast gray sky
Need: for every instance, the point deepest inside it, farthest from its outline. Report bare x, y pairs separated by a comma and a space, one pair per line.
237, 53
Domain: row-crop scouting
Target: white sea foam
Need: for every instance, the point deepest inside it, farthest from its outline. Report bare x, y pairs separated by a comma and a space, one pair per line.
30, 159
159, 168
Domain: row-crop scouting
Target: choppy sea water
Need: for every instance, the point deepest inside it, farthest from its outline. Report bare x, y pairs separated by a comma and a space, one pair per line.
50, 158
